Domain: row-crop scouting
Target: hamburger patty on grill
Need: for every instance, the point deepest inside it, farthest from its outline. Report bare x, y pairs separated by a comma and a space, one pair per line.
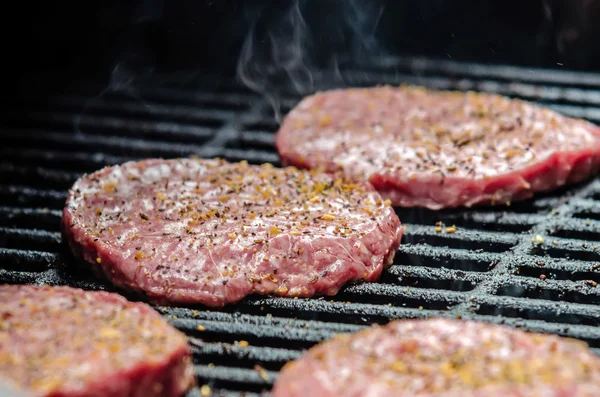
443, 358
62, 341
213, 232
439, 149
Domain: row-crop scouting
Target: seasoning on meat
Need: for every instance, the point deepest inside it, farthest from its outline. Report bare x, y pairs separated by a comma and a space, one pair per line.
438, 149
443, 358
222, 231
62, 341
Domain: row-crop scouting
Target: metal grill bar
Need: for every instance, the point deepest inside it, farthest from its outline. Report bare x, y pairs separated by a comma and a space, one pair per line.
105, 125
489, 269
448, 68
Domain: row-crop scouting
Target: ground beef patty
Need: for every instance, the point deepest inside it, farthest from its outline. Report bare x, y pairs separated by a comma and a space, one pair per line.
443, 358
212, 232
61, 341
439, 149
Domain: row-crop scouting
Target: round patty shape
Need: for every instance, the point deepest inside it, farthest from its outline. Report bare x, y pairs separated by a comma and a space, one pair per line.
62, 341
443, 358
438, 149
213, 232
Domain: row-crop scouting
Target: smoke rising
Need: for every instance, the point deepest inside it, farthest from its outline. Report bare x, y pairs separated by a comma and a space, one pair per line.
287, 49
277, 57
121, 80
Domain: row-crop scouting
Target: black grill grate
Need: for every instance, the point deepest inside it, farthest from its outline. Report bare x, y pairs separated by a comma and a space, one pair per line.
534, 264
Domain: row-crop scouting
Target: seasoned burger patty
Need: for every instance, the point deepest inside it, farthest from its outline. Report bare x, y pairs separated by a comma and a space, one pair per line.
212, 232
438, 149
61, 341
443, 358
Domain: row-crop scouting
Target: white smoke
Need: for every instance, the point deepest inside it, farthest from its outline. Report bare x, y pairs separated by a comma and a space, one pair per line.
283, 53
285, 62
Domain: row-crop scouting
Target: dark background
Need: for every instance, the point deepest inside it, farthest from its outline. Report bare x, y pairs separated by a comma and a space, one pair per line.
87, 39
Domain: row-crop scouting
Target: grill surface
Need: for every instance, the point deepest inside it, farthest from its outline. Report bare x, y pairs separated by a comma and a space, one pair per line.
533, 265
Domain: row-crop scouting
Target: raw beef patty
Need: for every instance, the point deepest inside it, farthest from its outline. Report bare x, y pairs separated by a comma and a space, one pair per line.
213, 232
438, 149
61, 341
443, 358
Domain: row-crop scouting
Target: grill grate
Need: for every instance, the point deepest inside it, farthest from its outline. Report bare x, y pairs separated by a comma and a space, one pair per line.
493, 268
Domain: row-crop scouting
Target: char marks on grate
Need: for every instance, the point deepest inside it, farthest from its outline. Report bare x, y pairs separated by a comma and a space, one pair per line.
534, 264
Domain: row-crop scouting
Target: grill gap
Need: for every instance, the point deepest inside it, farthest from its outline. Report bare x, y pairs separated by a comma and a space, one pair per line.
443, 261
253, 140
246, 357
553, 316
588, 215
520, 291
558, 274
492, 220
561, 253
449, 284
30, 218
444, 240
577, 234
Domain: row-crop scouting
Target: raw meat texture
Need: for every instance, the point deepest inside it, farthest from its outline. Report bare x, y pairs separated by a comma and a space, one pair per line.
67, 342
443, 358
439, 149
212, 232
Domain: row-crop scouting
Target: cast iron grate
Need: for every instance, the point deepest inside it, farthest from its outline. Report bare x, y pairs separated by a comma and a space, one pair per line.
534, 264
